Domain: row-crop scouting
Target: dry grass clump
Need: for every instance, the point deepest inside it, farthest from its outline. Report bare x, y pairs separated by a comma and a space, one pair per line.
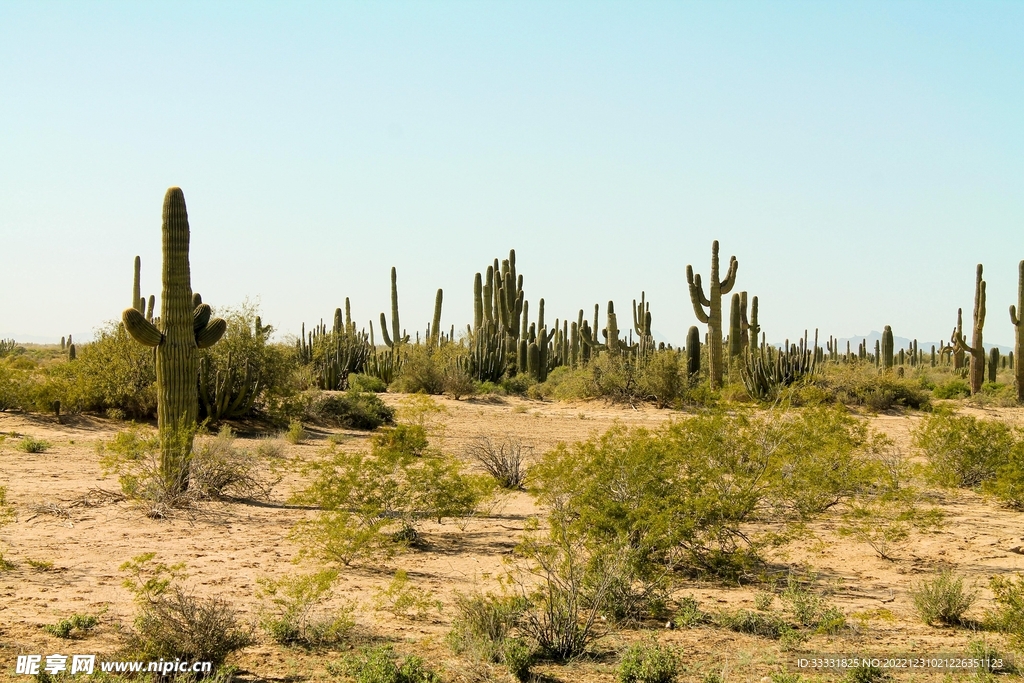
504, 460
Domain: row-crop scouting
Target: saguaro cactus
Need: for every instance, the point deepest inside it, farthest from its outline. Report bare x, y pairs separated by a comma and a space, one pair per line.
1016, 314
692, 351
396, 338
977, 347
713, 316
887, 347
183, 330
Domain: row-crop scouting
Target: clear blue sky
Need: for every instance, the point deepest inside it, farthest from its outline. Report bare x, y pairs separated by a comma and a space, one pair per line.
858, 158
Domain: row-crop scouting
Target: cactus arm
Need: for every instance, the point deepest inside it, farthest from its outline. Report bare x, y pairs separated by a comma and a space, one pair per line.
212, 333
1014, 320
730, 278
957, 340
137, 287
384, 331
201, 317
141, 329
698, 299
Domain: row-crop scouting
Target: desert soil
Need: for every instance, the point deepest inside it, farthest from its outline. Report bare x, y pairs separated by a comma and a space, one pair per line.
62, 520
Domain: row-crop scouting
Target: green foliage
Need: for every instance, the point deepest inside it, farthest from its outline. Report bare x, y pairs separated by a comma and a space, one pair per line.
77, 625
517, 656
30, 444
952, 388
649, 663
355, 410
810, 609
402, 599
421, 372
483, 625
366, 384
689, 613
296, 433
295, 615
372, 502
380, 665
943, 598
866, 673
962, 450
860, 385
1008, 615
682, 494
1008, 483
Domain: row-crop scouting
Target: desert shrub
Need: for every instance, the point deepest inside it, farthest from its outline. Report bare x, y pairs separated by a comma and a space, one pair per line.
380, 664
1008, 615
689, 614
74, 626
682, 494
371, 502
366, 384
402, 599
483, 624
765, 624
217, 470
296, 616
504, 461
518, 385
296, 433
517, 656
30, 444
421, 372
885, 519
862, 385
355, 410
112, 372
269, 448
663, 378
943, 598
962, 450
648, 663
565, 586
810, 609
173, 623
1008, 483
954, 387
866, 673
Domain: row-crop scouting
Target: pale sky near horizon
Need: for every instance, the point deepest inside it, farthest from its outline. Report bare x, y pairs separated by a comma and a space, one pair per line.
858, 158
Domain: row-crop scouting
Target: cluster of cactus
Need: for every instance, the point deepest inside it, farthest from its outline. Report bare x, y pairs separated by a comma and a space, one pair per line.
8, 345
185, 326
977, 347
767, 371
335, 353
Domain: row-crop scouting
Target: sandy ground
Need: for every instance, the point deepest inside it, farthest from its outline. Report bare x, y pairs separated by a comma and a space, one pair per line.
231, 545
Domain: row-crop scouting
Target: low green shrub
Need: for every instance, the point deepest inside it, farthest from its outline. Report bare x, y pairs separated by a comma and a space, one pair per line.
295, 614
483, 624
1008, 483
765, 624
380, 664
952, 388
943, 598
296, 433
649, 663
866, 673
30, 444
356, 410
77, 625
1008, 615
962, 450
366, 384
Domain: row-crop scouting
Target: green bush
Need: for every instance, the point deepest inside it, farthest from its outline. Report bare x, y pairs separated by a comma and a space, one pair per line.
1008, 483
952, 388
1008, 616
962, 450
75, 625
366, 384
862, 385
296, 433
372, 502
866, 673
421, 372
649, 663
683, 494
380, 665
517, 656
355, 410
295, 615
30, 444
483, 623
943, 599
765, 624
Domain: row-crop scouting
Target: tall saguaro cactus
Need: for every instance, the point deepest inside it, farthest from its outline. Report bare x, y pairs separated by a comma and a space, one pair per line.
1016, 314
713, 316
977, 347
887, 348
183, 330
